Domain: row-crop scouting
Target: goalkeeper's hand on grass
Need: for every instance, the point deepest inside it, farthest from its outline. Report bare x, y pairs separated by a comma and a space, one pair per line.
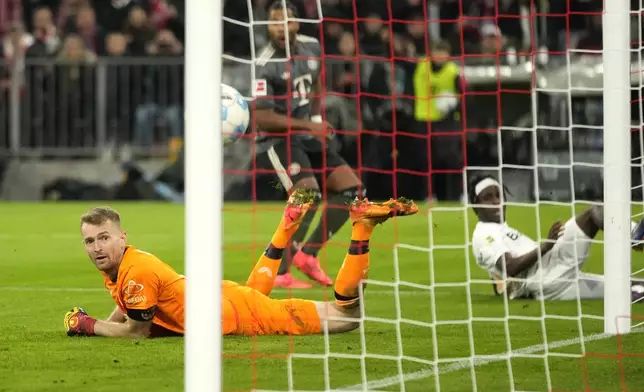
77, 322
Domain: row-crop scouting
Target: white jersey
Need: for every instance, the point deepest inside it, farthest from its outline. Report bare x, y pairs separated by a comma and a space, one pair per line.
490, 241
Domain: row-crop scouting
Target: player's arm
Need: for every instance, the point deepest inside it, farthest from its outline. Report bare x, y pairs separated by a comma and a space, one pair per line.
316, 102
140, 300
117, 316
515, 265
129, 329
78, 322
269, 120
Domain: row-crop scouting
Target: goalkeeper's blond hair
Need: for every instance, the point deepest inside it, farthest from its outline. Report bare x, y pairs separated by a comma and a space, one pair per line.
99, 215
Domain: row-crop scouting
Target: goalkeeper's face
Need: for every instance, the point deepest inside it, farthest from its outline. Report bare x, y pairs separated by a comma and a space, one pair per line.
278, 32
104, 244
490, 208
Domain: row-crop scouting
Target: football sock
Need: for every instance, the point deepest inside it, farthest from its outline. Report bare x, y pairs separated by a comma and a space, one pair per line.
285, 265
335, 215
263, 275
354, 268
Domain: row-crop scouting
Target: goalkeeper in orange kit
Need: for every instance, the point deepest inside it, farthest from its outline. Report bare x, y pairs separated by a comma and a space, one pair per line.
150, 295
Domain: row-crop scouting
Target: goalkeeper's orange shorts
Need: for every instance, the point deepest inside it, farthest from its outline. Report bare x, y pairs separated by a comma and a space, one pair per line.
248, 312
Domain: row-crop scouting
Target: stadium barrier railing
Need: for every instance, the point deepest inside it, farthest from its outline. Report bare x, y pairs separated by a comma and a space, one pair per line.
63, 109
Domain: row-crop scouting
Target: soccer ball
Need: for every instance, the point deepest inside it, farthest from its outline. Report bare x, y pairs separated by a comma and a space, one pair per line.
235, 115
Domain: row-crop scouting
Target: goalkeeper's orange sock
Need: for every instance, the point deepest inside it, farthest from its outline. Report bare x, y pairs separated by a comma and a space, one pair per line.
355, 266
263, 275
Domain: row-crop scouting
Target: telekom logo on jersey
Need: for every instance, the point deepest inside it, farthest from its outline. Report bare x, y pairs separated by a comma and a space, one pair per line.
302, 86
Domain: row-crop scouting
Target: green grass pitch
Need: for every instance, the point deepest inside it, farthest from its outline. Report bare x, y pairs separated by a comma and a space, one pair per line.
45, 273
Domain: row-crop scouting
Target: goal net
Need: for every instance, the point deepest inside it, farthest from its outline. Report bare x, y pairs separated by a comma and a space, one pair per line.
531, 111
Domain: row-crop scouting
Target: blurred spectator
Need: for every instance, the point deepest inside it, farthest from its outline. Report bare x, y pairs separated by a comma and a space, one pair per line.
67, 12
121, 90
343, 72
164, 15
165, 44
371, 41
112, 14
333, 30
75, 92
138, 31
492, 40
46, 35
492, 43
92, 34
161, 13
503, 13
163, 92
416, 31
10, 13
463, 36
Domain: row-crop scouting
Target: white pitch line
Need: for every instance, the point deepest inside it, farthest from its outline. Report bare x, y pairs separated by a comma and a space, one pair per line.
465, 364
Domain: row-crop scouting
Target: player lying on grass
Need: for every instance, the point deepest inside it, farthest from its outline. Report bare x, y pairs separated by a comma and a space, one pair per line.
498, 248
150, 295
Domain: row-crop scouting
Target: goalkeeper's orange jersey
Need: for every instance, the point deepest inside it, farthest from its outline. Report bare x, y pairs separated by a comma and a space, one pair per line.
151, 287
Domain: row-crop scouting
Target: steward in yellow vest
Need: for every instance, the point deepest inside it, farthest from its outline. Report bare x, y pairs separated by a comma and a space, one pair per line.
437, 86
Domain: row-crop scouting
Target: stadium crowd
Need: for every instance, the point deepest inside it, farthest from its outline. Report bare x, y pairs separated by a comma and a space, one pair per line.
369, 61
88, 73
78, 84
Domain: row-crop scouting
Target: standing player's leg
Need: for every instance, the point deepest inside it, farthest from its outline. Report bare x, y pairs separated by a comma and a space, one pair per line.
343, 187
293, 168
263, 275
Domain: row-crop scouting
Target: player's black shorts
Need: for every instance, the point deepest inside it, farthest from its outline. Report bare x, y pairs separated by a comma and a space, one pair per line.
295, 160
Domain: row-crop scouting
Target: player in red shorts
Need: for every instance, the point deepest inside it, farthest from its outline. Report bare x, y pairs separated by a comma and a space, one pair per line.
149, 294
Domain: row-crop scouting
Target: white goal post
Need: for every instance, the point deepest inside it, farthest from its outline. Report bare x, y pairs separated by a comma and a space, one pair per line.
204, 196
617, 166
204, 236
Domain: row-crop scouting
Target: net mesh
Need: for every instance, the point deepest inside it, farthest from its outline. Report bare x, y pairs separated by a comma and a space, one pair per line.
529, 113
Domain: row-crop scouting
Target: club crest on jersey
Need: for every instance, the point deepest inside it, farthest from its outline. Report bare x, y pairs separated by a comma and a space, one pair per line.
259, 88
133, 288
313, 64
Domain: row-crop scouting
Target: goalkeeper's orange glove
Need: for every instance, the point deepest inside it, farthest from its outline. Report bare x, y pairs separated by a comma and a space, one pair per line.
77, 322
